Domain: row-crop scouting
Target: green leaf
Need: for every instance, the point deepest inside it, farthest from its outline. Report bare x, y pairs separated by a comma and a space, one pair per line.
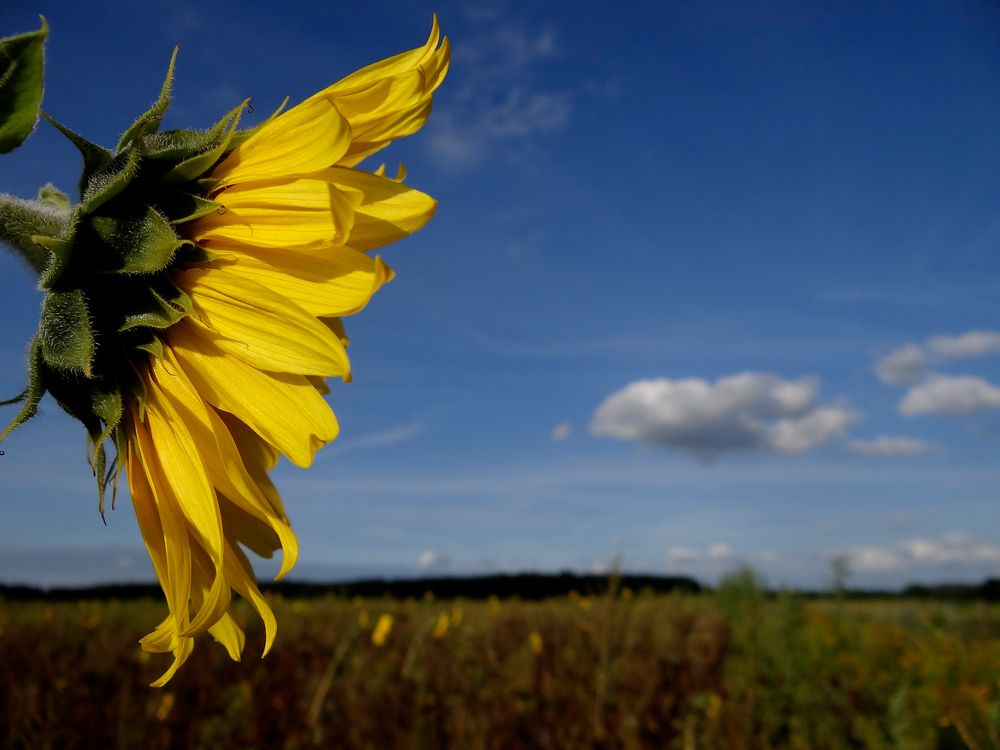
33, 393
21, 84
66, 332
149, 121
143, 240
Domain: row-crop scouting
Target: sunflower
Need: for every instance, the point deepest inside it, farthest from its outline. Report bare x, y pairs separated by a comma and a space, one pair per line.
223, 341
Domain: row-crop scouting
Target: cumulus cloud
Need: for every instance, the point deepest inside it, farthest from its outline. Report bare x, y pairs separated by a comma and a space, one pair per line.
561, 432
960, 395
909, 363
903, 366
886, 446
951, 550
742, 412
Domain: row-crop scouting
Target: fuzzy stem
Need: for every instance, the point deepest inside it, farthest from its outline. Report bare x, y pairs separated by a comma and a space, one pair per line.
21, 220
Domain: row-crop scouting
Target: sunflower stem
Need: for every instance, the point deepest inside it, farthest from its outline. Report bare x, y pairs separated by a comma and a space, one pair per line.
23, 220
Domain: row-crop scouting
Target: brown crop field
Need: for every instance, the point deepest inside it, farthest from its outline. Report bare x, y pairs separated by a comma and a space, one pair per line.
734, 669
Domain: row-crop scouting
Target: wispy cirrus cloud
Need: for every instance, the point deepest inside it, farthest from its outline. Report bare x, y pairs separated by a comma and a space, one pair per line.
496, 95
401, 433
886, 446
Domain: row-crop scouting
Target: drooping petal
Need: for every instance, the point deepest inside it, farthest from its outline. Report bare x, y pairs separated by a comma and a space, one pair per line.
227, 632
240, 575
222, 459
282, 408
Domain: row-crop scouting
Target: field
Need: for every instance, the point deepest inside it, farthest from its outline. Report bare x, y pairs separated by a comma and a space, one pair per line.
733, 669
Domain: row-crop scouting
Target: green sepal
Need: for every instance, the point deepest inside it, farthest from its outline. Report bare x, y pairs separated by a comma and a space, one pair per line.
142, 240
52, 196
22, 63
151, 344
66, 332
216, 143
149, 121
60, 253
109, 180
33, 393
95, 157
109, 407
22, 221
182, 207
156, 308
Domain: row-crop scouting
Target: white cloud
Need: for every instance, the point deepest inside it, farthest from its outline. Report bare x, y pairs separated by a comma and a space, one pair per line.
384, 438
961, 395
746, 411
907, 364
561, 432
951, 550
715, 556
971, 344
902, 366
886, 446
433, 560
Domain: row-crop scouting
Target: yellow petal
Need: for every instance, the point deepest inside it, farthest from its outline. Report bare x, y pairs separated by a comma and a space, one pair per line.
177, 544
284, 409
305, 139
390, 98
259, 457
222, 459
259, 326
185, 476
289, 213
145, 513
181, 653
230, 635
323, 282
242, 580
210, 592
389, 210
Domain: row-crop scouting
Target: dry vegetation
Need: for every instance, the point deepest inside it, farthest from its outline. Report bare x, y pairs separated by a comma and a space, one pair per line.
729, 670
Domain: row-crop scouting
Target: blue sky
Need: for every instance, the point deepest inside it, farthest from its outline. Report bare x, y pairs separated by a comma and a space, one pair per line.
710, 283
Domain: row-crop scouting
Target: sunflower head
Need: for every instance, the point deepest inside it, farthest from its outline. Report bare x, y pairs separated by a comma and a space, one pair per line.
192, 310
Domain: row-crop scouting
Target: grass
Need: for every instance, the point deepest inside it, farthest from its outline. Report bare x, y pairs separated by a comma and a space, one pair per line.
727, 670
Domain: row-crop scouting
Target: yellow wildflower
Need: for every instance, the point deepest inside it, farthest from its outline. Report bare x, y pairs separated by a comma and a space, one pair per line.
535, 642
441, 625
382, 628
